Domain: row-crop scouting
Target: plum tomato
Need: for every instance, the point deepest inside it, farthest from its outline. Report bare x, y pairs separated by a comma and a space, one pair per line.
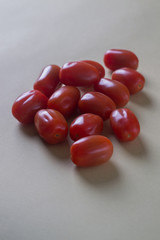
117, 91
86, 125
132, 79
51, 126
91, 151
78, 74
65, 100
119, 58
97, 65
27, 104
125, 124
48, 80
96, 103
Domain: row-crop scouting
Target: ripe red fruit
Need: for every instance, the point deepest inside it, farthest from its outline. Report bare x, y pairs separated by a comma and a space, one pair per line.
97, 65
86, 125
51, 125
65, 100
119, 58
125, 124
91, 151
132, 79
117, 91
78, 74
48, 80
27, 104
96, 103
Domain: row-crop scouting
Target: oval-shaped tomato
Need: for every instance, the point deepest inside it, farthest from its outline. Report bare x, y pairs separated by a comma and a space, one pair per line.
119, 58
132, 79
27, 104
65, 100
97, 65
96, 103
51, 125
86, 125
125, 125
78, 74
91, 151
48, 80
117, 91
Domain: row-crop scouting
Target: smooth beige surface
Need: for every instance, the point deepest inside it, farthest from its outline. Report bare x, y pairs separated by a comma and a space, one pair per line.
43, 196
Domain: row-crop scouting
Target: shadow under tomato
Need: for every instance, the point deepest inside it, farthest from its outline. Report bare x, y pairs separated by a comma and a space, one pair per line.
28, 130
71, 118
107, 130
142, 99
109, 71
59, 151
86, 89
99, 175
136, 147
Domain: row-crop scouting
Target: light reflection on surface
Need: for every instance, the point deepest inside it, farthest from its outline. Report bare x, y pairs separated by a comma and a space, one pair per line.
70, 64
119, 115
79, 120
25, 95
88, 96
45, 116
45, 72
105, 81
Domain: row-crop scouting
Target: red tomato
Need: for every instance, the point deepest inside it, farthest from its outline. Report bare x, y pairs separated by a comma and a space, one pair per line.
27, 104
133, 80
96, 103
125, 125
91, 151
65, 100
51, 125
119, 58
48, 80
97, 65
78, 74
86, 125
117, 91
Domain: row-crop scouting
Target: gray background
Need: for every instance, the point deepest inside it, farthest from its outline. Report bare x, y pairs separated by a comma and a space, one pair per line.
42, 194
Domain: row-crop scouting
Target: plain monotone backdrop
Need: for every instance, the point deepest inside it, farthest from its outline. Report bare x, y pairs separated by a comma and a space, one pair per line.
43, 196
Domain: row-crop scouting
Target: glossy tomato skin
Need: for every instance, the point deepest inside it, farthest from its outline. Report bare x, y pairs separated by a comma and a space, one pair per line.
96, 103
78, 74
51, 126
132, 79
125, 124
117, 91
119, 58
91, 151
27, 104
86, 125
65, 100
48, 80
97, 65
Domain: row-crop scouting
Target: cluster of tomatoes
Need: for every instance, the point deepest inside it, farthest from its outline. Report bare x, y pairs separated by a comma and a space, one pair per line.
56, 96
